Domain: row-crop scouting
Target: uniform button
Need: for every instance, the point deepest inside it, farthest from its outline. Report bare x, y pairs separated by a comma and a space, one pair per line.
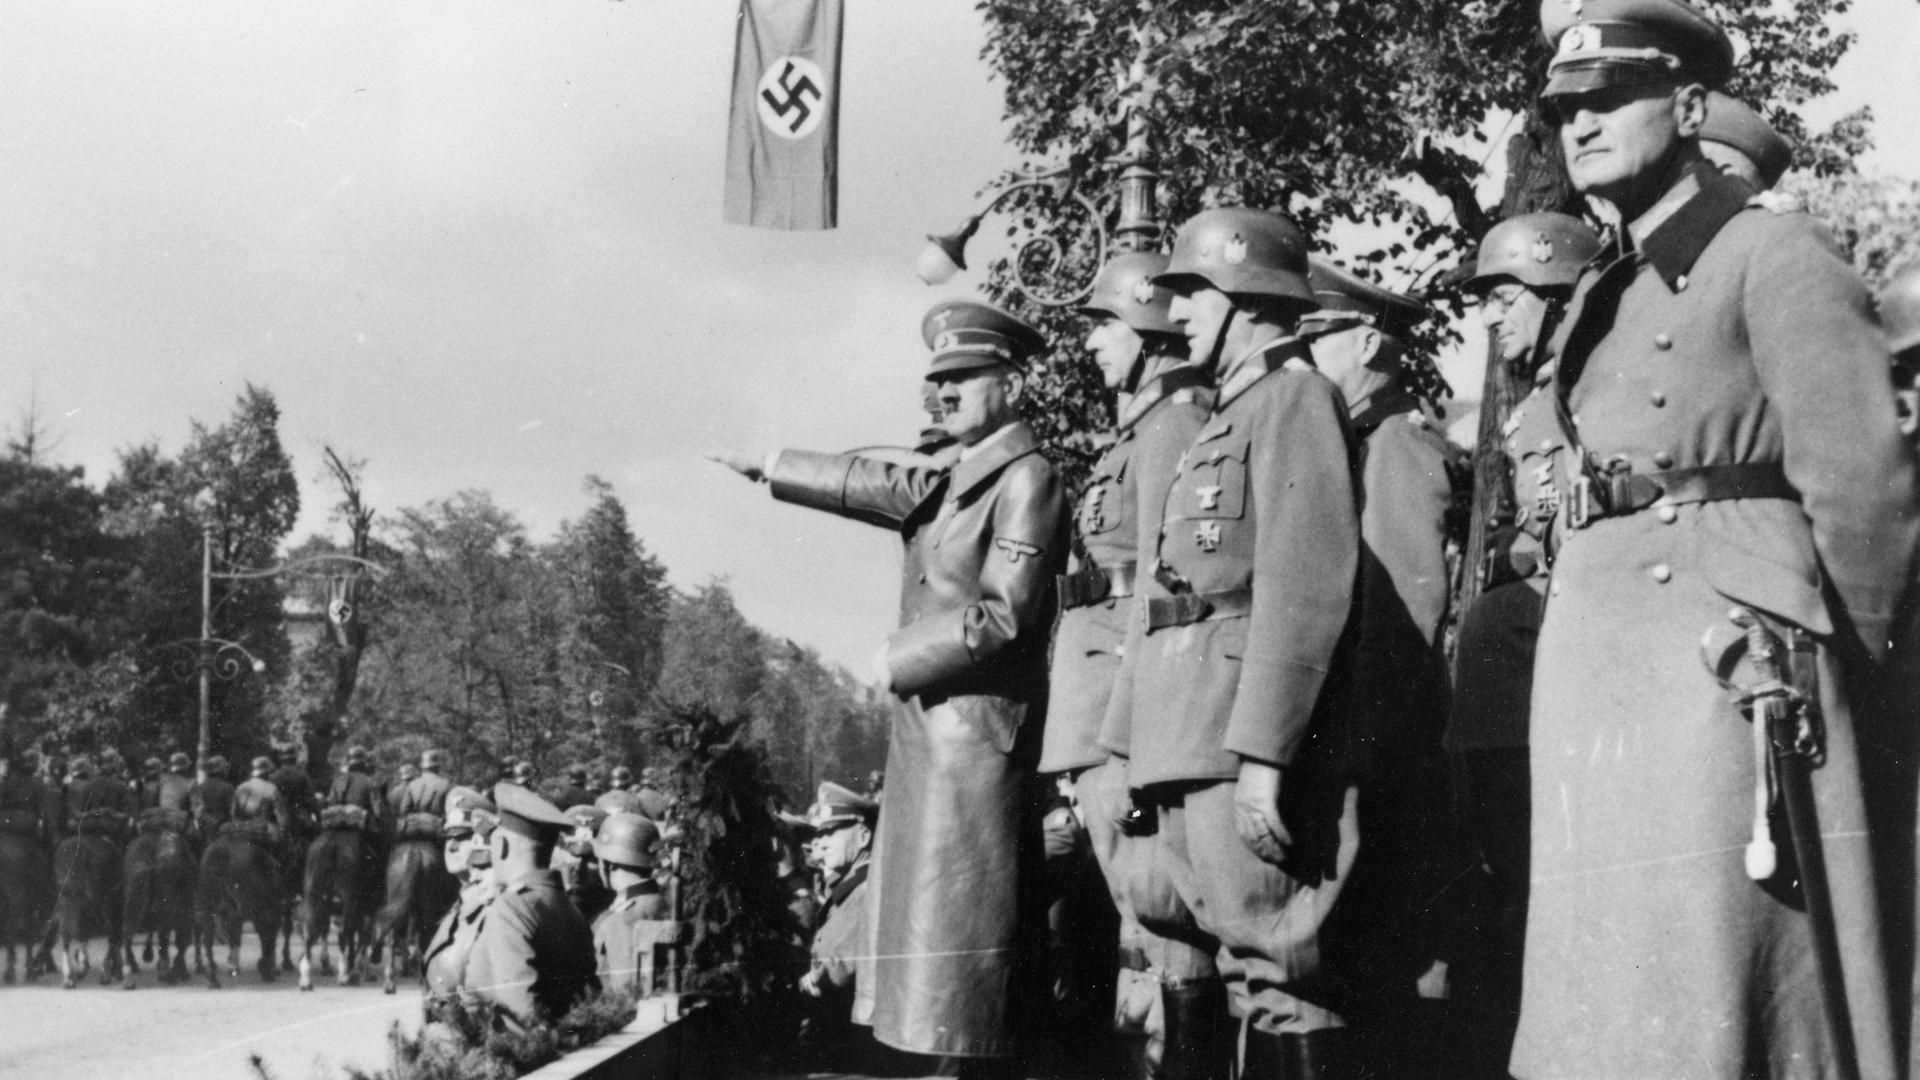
923, 579
1546, 445
1680, 283
1120, 651
1662, 341
1555, 589
1668, 515
1513, 446
1576, 419
1662, 573
1659, 399
1663, 459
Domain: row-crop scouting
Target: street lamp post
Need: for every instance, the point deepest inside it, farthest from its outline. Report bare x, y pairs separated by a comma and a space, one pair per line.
1136, 224
220, 656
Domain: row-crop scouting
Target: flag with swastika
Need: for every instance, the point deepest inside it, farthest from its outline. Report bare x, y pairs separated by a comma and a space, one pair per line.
783, 138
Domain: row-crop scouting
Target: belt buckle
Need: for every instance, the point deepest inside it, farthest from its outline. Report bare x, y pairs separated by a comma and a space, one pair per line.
1580, 502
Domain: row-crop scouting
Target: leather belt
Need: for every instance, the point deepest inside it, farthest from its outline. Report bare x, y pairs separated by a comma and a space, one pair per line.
1093, 584
1618, 494
1185, 609
1134, 958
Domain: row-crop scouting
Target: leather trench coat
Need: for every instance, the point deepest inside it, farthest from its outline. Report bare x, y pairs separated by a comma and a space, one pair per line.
985, 539
1735, 334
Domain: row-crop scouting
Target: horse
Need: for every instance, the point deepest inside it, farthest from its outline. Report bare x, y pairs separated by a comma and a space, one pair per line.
160, 874
26, 896
419, 892
239, 883
339, 877
86, 877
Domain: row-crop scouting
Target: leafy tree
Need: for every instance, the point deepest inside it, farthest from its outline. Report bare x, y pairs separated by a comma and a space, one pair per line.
1875, 218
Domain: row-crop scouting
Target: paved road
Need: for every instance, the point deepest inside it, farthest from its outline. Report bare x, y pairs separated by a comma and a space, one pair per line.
189, 1032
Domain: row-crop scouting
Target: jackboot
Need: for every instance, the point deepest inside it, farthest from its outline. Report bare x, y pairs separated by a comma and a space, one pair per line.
1315, 1055
1197, 1037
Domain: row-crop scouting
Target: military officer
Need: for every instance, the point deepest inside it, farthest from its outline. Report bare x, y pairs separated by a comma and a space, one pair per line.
1723, 388
1232, 756
620, 779
985, 539
1170, 993
1397, 683
471, 818
532, 953
625, 932
355, 786
1523, 276
840, 974
575, 861
1739, 143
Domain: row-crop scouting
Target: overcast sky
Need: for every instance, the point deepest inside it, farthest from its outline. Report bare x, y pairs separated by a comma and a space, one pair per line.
478, 243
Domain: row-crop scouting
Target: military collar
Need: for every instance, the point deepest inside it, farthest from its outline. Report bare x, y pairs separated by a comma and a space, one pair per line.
629, 895
1383, 405
1279, 353
1676, 243
1168, 383
548, 878
1000, 449
849, 881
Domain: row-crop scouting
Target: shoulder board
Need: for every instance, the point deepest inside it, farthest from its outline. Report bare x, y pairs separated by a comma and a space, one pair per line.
1778, 202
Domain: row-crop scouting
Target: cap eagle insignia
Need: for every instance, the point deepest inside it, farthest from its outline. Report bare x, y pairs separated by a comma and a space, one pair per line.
1235, 250
1143, 291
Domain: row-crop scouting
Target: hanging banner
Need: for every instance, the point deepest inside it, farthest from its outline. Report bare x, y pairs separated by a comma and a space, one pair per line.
783, 138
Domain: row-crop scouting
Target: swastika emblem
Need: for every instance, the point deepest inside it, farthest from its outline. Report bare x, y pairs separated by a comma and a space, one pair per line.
793, 97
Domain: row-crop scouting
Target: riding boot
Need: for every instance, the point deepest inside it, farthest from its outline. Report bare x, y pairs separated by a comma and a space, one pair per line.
1197, 1041
1327, 1054
1268, 1056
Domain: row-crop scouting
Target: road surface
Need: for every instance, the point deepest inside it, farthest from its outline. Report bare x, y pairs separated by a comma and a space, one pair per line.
189, 1032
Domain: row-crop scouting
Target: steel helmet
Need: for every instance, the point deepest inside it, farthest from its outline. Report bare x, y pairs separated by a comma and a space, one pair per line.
216, 765
433, 759
1900, 310
1241, 252
357, 755
1540, 251
1124, 290
626, 839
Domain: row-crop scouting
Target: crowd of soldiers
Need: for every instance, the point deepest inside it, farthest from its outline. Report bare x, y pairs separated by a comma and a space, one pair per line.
1656, 817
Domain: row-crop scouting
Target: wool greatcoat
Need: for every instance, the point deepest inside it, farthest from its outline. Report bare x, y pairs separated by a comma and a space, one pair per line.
984, 540
1734, 333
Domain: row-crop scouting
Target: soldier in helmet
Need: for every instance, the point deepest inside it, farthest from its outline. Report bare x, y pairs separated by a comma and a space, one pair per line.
622, 942
425, 794
1523, 277
1167, 985
620, 779
406, 774
150, 773
574, 791
532, 957
1722, 388
1237, 767
99, 801
985, 538
258, 800
574, 859
212, 799
175, 789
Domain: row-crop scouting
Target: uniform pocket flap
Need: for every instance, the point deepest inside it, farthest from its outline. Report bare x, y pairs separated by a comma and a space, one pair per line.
1780, 590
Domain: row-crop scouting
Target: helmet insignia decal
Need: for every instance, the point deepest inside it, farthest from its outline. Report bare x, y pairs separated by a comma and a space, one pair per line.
1143, 291
1235, 250
1542, 248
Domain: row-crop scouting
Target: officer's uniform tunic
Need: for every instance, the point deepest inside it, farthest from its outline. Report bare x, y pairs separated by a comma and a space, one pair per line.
1262, 525
1118, 517
1738, 336
532, 951
985, 539
445, 960
839, 946
617, 943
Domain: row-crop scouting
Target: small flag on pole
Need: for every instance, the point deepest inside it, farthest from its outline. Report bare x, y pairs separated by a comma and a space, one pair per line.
783, 139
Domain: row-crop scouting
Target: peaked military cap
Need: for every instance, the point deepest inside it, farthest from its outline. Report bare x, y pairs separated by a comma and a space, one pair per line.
1731, 123
800, 827
967, 334
617, 800
153, 765
835, 806
464, 808
1602, 43
586, 816
1900, 311
1540, 251
1124, 289
1341, 296
526, 814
